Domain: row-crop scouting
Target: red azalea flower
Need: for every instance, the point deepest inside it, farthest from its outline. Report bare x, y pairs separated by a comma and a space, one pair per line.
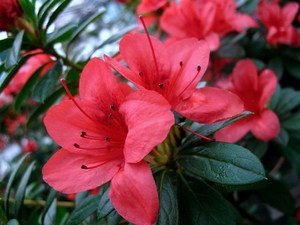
255, 91
204, 19
24, 73
278, 21
104, 137
29, 145
9, 11
147, 6
174, 71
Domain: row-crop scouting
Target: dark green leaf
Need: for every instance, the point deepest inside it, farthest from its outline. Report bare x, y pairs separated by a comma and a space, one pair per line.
49, 201
6, 44
45, 106
277, 195
47, 83
168, 209
283, 137
13, 222
45, 9
258, 147
29, 11
201, 204
276, 65
20, 194
275, 98
25, 91
249, 6
292, 123
105, 207
223, 163
57, 11
62, 34
10, 183
113, 218
258, 63
289, 99
3, 219
84, 210
84, 25
293, 68
80, 196
6, 77
231, 51
13, 55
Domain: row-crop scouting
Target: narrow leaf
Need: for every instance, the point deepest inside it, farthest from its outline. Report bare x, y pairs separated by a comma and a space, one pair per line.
29, 10
292, 123
13, 222
223, 163
105, 206
62, 34
13, 55
20, 193
6, 44
49, 201
45, 9
57, 11
46, 84
3, 218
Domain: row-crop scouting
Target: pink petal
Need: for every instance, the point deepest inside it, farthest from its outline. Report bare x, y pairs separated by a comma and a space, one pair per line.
242, 22
145, 112
213, 41
98, 84
65, 123
150, 5
267, 82
63, 171
245, 77
289, 12
266, 126
193, 54
235, 131
133, 194
208, 105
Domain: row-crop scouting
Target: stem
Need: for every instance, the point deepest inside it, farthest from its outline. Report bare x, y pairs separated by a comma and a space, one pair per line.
277, 166
67, 204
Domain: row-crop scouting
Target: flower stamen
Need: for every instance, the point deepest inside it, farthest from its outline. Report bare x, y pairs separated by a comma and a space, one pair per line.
199, 135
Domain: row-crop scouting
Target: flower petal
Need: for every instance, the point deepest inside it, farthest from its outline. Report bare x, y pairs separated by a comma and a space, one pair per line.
266, 126
63, 171
150, 5
267, 82
241, 22
133, 193
235, 131
208, 105
143, 112
289, 12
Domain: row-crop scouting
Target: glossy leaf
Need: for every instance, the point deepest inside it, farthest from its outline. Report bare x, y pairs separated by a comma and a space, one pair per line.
6, 44
49, 201
10, 183
276, 65
222, 163
257, 147
105, 207
84, 210
47, 83
168, 209
47, 6
13, 55
292, 123
57, 11
289, 99
61, 35
29, 10
283, 137
20, 193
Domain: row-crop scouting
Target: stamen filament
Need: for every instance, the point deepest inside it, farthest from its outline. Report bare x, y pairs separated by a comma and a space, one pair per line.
63, 81
198, 71
188, 130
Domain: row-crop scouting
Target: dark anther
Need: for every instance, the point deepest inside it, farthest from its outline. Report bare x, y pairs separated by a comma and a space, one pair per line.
141, 73
82, 134
213, 140
107, 138
161, 85
198, 68
110, 116
83, 167
76, 145
112, 107
181, 63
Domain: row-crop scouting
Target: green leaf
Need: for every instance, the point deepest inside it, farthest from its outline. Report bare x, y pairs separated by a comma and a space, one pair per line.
45, 9
257, 147
6, 77
29, 11
289, 99
6, 44
276, 65
249, 6
13, 222
84, 25
45, 106
168, 209
105, 207
3, 218
201, 204
223, 163
61, 35
20, 193
275, 98
26, 89
292, 67
47, 83
84, 210
80, 196
13, 55
113, 218
57, 11
292, 123
10, 183
278, 196
283, 137
49, 201
231, 51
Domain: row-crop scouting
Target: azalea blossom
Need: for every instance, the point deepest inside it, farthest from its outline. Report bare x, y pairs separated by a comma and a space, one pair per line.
174, 71
255, 91
278, 21
206, 20
105, 135
9, 11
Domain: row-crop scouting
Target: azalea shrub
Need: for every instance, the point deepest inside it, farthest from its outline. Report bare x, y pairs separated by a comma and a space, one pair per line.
150, 112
